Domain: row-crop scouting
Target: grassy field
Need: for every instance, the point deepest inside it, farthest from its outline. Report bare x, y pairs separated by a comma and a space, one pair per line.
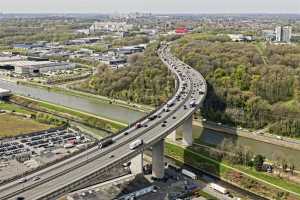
13, 108
12, 125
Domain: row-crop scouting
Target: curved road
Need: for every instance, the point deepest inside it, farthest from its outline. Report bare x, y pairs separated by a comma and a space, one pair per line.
65, 176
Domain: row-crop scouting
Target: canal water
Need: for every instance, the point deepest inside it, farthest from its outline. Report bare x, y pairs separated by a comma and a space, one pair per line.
126, 115
270, 151
86, 104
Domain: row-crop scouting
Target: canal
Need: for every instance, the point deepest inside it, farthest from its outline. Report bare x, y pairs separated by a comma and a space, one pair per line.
126, 115
90, 105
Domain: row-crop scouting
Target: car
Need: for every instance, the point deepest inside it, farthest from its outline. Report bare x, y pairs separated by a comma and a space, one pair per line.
279, 137
127, 164
145, 125
158, 116
138, 125
20, 198
23, 180
165, 122
174, 117
126, 133
219, 123
152, 117
36, 178
166, 109
192, 104
111, 156
163, 125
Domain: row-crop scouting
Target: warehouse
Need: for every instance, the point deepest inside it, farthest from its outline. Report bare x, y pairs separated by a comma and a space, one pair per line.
37, 67
5, 61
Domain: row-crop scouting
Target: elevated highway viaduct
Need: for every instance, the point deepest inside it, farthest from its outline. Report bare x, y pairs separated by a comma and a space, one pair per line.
76, 172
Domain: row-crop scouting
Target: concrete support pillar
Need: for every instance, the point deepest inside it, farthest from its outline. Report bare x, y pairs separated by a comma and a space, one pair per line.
187, 135
158, 164
136, 166
172, 136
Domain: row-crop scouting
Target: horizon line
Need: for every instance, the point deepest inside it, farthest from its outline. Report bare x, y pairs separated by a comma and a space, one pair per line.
154, 13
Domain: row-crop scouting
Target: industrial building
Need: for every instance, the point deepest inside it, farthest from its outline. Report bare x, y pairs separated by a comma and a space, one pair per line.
283, 34
37, 67
12, 58
127, 50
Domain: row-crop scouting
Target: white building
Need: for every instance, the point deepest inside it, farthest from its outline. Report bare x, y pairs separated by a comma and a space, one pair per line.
37, 67
283, 34
241, 37
110, 27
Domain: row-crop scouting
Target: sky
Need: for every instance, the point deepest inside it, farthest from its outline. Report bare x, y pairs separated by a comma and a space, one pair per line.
153, 6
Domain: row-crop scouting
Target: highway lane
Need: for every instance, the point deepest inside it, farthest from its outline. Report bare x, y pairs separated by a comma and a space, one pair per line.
48, 185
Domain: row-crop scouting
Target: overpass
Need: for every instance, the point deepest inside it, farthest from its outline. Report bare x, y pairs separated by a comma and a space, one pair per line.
78, 171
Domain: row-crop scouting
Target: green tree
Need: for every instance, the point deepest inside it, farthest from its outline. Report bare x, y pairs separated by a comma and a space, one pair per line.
258, 162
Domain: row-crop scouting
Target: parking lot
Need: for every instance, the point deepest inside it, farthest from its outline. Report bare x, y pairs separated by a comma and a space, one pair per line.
26, 152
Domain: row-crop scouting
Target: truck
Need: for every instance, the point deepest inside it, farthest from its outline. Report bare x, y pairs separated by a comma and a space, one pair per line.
135, 144
218, 188
104, 143
189, 174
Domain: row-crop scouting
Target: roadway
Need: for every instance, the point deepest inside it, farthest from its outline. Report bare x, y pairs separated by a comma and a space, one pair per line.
76, 170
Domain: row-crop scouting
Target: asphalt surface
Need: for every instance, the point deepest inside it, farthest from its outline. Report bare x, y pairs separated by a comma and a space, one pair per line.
83, 165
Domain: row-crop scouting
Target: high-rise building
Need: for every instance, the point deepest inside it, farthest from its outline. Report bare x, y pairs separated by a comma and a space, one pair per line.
286, 34
278, 33
283, 33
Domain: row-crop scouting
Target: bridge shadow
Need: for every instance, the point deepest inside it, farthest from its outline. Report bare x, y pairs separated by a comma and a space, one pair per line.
211, 139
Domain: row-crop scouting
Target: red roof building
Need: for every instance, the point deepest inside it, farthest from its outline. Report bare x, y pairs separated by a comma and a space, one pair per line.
181, 30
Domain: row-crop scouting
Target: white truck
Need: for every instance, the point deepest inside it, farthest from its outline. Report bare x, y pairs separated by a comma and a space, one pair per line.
68, 145
218, 188
135, 144
189, 174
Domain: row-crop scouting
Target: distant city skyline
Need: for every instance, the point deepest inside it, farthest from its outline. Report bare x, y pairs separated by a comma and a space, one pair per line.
153, 6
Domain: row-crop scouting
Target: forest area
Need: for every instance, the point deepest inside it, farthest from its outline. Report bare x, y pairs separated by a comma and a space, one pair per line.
146, 80
18, 30
249, 84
